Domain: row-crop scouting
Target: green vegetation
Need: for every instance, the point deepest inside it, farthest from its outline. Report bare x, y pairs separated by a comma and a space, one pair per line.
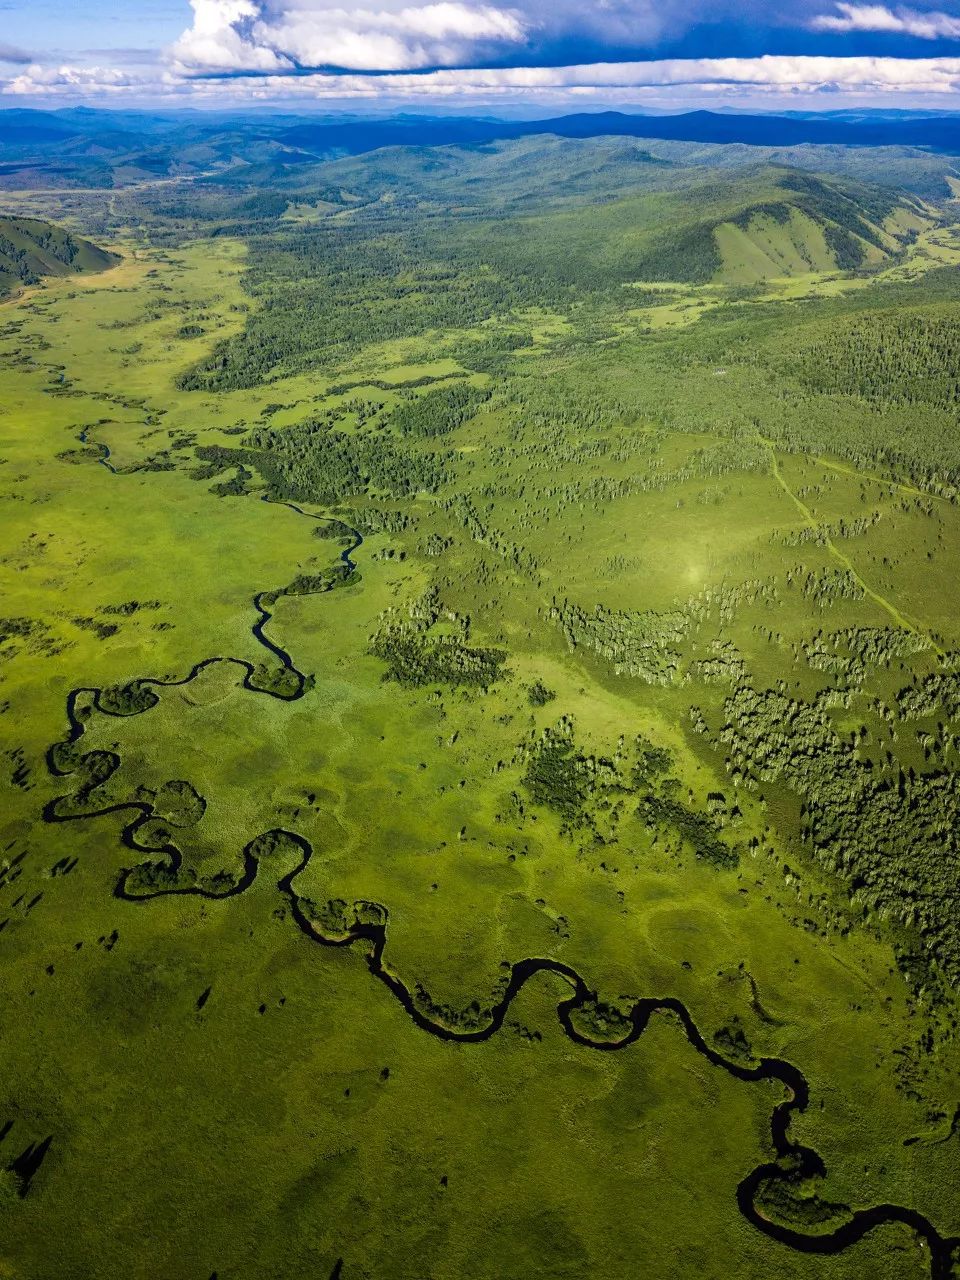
897, 357
461, 618
30, 250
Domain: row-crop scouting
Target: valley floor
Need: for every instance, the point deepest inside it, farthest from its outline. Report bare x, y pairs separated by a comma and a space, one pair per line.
628, 646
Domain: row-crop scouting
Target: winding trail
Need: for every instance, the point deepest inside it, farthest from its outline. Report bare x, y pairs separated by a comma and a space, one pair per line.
903, 622
793, 1162
884, 482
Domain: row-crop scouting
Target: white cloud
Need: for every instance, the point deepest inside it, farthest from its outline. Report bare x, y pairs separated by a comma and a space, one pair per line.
68, 81
250, 35
220, 39
802, 75
900, 21
669, 82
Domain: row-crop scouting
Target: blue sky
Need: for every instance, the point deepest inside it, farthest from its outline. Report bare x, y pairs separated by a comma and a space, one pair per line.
659, 54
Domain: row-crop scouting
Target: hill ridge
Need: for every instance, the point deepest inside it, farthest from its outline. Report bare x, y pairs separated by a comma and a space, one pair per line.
31, 249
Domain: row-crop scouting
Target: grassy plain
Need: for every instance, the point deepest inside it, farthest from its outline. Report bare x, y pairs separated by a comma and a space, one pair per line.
654, 512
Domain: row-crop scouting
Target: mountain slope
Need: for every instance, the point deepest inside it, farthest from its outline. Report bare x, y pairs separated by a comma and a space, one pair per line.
768, 224
816, 225
31, 249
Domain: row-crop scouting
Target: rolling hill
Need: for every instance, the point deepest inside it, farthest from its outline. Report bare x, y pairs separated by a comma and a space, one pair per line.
31, 249
816, 225
766, 224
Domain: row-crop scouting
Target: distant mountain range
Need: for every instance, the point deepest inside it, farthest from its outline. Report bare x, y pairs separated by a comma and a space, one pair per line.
52, 130
89, 148
938, 133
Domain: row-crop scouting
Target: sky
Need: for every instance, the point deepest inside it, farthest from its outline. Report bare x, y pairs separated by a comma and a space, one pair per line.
481, 54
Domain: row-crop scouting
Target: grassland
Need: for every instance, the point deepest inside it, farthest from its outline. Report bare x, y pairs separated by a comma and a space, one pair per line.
647, 667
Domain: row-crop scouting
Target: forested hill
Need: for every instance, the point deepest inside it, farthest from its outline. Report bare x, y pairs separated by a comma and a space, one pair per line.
772, 223
481, 267
31, 249
689, 224
658, 220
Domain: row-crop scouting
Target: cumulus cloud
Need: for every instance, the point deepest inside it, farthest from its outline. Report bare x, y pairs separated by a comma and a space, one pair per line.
270, 35
899, 21
70, 81
401, 35
243, 49
222, 38
277, 36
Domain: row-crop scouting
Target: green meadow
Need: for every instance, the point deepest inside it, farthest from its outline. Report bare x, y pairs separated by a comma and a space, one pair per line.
574, 594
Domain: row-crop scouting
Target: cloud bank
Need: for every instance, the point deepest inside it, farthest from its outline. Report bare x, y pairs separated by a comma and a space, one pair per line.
800, 76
